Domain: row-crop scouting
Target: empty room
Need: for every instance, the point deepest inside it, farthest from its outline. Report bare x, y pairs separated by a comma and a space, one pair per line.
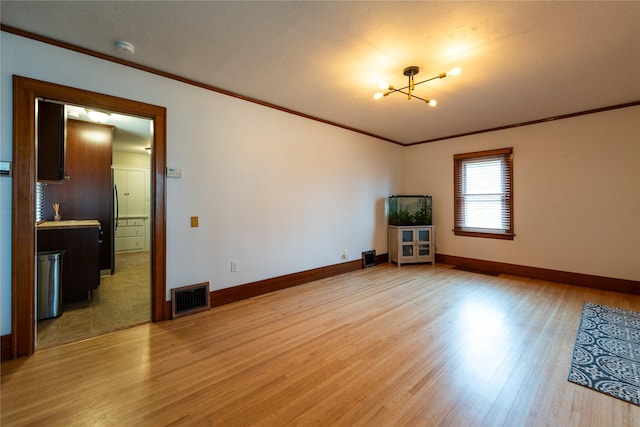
272, 213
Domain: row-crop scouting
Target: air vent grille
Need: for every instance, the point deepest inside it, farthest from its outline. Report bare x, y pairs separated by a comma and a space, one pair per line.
189, 299
368, 258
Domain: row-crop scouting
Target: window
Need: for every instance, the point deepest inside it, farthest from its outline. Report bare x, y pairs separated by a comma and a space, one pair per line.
483, 194
40, 201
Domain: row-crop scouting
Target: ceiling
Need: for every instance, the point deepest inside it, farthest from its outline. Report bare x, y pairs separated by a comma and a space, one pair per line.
520, 61
131, 134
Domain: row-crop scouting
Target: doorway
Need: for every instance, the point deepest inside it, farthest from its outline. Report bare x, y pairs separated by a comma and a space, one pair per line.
25, 92
118, 197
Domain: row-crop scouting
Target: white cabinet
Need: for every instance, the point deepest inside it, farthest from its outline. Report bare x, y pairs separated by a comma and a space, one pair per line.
132, 209
130, 235
411, 244
130, 189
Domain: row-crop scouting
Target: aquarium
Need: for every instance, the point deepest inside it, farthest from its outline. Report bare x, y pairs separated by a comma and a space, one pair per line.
410, 210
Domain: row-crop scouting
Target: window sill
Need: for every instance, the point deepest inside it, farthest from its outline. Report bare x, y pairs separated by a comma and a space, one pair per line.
486, 235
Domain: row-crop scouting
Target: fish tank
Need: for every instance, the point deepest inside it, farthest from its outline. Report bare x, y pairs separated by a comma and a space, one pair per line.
410, 210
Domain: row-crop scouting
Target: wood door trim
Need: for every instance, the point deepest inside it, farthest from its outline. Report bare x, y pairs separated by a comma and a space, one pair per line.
23, 233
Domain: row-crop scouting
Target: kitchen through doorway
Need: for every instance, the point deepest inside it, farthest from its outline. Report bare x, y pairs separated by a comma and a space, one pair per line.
121, 297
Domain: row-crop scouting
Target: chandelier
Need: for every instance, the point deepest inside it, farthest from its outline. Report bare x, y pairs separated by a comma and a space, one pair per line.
410, 72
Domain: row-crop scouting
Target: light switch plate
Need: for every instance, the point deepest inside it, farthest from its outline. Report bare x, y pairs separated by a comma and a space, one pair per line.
194, 221
5, 168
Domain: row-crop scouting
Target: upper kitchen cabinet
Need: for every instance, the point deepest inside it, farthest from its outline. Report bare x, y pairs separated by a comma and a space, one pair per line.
51, 139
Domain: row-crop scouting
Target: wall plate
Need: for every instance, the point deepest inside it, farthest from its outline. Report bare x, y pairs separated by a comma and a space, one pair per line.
174, 172
5, 168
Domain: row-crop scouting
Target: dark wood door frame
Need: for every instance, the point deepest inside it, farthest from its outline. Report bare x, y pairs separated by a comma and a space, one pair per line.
23, 237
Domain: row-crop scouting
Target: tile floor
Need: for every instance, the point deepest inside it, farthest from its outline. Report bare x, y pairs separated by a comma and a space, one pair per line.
123, 299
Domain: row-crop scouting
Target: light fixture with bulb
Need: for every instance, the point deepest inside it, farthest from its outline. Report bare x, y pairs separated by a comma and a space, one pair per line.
410, 72
98, 116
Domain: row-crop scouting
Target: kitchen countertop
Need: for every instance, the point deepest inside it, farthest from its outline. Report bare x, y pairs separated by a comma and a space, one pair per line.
71, 223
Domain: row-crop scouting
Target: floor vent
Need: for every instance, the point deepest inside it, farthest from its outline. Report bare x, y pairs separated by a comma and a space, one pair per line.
369, 258
189, 299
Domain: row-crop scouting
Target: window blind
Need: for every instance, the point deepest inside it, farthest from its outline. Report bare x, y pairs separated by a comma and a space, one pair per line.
40, 201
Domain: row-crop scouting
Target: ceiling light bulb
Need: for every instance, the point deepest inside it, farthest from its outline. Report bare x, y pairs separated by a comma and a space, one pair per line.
409, 89
98, 116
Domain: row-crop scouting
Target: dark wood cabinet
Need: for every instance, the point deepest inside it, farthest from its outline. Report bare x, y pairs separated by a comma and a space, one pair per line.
87, 193
80, 272
51, 141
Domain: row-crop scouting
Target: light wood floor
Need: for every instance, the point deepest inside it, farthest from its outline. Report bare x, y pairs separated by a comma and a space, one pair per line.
384, 346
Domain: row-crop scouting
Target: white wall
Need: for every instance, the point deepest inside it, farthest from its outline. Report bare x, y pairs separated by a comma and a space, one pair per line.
274, 192
576, 194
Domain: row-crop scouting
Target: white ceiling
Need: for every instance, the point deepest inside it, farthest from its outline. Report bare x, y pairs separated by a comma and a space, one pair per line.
521, 61
131, 134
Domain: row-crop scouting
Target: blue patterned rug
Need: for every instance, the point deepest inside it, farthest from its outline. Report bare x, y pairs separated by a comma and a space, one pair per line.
606, 356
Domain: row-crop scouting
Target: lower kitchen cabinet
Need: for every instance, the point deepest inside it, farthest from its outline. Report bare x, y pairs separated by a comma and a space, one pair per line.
411, 244
80, 266
130, 235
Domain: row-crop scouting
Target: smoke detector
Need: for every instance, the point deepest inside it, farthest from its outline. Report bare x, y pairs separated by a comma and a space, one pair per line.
125, 47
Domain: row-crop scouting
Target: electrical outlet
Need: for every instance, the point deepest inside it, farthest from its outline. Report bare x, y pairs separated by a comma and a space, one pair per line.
345, 254
234, 266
